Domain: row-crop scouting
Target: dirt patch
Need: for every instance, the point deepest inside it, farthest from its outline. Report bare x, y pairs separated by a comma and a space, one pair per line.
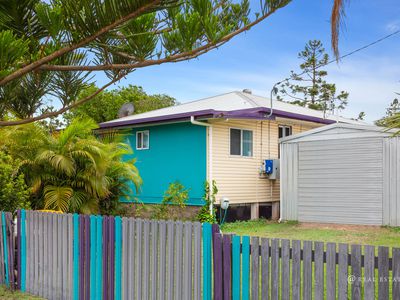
343, 227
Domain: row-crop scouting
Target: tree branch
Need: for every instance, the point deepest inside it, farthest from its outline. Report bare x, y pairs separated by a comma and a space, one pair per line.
36, 64
65, 108
173, 58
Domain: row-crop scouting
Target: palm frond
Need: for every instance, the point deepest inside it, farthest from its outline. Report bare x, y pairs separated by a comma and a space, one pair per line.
57, 197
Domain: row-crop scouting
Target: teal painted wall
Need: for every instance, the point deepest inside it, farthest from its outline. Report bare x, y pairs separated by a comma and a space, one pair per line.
177, 152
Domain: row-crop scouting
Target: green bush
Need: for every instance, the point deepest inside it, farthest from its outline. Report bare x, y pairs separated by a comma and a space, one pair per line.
205, 215
14, 193
175, 196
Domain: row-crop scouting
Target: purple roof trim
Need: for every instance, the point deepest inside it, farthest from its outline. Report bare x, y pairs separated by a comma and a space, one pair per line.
259, 113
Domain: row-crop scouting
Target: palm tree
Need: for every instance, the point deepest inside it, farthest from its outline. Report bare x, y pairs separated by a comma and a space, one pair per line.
72, 170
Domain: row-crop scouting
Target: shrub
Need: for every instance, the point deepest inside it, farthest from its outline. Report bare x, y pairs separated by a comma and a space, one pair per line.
175, 196
205, 215
14, 193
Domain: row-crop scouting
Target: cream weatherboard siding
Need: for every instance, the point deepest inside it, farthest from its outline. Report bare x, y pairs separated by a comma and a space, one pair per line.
238, 178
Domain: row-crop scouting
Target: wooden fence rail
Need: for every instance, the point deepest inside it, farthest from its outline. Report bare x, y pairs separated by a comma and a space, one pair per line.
262, 268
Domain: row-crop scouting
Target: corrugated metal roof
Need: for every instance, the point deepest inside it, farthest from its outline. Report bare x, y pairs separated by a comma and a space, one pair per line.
338, 131
233, 104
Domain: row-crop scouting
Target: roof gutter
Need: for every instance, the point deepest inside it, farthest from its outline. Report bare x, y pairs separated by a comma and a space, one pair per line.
194, 122
210, 148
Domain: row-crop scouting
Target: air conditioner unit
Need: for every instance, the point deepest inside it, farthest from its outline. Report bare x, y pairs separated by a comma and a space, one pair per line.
271, 168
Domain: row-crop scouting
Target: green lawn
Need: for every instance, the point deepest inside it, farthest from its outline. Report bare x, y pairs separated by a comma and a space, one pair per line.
7, 294
371, 235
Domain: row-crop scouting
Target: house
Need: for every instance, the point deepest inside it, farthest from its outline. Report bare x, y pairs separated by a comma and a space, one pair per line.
341, 173
225, 138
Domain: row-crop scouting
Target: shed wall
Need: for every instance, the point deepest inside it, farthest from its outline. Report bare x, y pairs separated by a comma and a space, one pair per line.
338, 181
391, 179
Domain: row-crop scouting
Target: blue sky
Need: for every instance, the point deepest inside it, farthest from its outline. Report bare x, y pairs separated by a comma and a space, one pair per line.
266, 54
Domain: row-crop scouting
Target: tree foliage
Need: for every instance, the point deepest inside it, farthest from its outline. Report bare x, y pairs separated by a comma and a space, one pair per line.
105, 106
51, 48
309, 88
392, 117
72, 170
14, 193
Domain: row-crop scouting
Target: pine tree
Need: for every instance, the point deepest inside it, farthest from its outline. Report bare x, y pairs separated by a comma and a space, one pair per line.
309, 88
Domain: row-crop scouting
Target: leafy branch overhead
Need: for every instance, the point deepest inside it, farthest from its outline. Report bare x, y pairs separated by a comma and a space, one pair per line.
50, 48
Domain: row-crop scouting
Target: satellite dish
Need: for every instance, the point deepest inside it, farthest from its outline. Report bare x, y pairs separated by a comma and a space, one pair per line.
126, 109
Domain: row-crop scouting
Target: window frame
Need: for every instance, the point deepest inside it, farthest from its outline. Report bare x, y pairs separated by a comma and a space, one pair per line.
284, 127
142, 132
241, 142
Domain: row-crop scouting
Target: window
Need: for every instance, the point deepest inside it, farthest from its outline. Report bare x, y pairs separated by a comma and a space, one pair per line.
284, 131
142, 140
241, 142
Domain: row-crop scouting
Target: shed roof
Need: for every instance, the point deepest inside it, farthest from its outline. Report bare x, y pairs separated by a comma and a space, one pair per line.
339, 131
230, 105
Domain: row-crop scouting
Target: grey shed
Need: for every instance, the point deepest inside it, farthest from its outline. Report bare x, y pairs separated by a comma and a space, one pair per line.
341, 173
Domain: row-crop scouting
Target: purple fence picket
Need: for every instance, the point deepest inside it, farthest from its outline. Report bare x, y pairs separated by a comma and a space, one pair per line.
19, 249
105, 257
218, 278
87, 257
111, 258
227, 261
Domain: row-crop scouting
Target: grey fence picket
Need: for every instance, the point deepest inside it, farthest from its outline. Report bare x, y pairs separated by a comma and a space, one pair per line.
285, 258
154, 257
356, 272
396, 273
319, 270
197, 262
139, 225
265, 269
331, 271
383, 273
343, 279
170, 269
296, 269
307, 270
162, 247
178, 260
187, 270
275, 269
146, 259
255, 267
369, 272
131, 259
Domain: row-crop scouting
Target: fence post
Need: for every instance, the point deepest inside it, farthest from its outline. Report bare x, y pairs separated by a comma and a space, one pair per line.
22, 275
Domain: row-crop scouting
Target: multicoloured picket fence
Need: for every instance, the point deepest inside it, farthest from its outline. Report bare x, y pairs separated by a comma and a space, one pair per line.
70, 256
6, 250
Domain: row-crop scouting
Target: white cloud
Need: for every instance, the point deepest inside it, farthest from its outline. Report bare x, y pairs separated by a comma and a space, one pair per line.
393, 26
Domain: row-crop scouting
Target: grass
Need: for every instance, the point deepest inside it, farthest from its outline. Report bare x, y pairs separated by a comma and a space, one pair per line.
365, 235
5, 293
